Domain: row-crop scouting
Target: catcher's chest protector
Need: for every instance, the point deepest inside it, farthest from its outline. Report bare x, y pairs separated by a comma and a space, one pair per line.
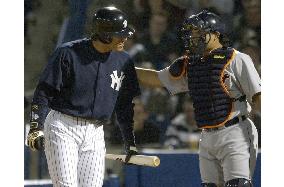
211, 101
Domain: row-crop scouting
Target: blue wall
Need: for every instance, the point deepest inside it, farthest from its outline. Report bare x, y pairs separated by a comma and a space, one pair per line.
178, 170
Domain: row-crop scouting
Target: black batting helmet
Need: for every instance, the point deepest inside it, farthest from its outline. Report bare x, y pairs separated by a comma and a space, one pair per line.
110, 22
206, 22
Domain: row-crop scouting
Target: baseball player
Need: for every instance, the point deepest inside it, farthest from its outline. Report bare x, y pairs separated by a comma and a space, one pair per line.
223, 84
83, 83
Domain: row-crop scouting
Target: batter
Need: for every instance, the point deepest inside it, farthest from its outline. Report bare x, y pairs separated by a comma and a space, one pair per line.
84, 82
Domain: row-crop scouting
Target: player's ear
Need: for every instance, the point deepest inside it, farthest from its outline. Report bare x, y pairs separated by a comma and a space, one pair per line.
217, 34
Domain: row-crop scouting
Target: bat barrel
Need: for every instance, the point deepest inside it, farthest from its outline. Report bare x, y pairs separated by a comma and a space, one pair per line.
144, 160
156, 161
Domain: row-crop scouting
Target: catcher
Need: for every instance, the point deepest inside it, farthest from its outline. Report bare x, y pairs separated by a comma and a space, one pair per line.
223, 84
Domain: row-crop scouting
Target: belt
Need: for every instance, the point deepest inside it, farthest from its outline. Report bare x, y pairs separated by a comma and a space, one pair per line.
229, 123
80, 119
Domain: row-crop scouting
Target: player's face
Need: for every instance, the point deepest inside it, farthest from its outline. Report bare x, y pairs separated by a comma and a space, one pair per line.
117, 43
196, 41
212, 41
195, 36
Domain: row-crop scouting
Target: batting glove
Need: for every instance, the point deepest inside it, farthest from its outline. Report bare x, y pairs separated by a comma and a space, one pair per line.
35, 137
130, 150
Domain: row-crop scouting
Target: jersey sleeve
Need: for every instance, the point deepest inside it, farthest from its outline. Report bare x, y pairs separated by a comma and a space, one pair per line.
247, 75
174, 85
57, 69
49, 85
124, 105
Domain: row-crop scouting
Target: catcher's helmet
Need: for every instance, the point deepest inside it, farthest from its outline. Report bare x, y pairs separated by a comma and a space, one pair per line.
206, 22
109, 22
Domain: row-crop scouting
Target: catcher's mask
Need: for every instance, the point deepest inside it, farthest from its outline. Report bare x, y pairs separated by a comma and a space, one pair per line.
195, 28
109, 22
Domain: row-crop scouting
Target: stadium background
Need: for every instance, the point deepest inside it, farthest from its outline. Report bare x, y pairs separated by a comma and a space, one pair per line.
164, 122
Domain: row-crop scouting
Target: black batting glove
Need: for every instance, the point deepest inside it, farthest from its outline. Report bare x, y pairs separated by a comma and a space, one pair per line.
35, 137
130, 150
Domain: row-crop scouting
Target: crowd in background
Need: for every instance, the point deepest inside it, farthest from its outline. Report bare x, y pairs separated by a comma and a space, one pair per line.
160, 120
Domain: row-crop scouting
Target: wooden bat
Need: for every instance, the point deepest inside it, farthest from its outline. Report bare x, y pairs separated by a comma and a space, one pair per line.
143, 160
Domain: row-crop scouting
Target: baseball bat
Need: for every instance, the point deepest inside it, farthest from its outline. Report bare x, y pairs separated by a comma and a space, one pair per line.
143, 160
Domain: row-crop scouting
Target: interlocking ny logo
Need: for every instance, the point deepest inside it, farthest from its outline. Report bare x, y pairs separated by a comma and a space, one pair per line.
124, 24
115, 80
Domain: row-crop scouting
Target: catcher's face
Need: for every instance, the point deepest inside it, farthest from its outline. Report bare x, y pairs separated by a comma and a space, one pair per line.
196, 36
195, 40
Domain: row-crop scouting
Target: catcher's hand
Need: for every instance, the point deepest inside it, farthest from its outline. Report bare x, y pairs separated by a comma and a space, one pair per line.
35, 137
178, 66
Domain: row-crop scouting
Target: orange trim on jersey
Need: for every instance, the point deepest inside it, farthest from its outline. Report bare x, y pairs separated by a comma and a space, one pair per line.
223, 71
225, 89
183, 70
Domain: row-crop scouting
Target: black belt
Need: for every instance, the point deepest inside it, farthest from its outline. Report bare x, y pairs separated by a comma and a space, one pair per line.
229, 123
81, 119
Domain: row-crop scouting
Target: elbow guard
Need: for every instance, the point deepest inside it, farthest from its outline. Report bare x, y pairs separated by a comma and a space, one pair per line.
178, 67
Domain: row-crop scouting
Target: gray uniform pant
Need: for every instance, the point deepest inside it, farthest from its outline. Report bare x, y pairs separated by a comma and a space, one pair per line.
228, 153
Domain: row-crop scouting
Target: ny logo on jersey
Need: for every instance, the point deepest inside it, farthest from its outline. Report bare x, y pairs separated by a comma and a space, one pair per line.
124, 24
115, 80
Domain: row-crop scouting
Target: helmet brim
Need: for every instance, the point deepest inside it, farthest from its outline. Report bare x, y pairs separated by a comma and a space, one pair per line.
125, 33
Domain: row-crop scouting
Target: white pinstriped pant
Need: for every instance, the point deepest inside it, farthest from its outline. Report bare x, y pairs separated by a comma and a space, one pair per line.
75, 151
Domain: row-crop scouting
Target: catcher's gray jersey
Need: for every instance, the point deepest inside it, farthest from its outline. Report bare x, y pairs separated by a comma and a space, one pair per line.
243, 79
230, 152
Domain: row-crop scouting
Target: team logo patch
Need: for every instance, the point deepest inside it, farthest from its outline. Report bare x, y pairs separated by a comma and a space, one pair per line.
116, 81
219, 56
34, 116
226, 76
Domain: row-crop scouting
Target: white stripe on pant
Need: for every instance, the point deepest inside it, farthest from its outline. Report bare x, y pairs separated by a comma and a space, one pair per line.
75, 151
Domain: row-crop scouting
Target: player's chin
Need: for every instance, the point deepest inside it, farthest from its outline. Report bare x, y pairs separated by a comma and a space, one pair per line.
119, 47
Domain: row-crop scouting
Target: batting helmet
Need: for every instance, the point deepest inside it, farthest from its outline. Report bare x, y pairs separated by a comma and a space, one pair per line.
110, 22
206, 22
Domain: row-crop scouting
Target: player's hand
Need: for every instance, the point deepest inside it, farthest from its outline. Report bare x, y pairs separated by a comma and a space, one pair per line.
130, 150
35, 137
178, 66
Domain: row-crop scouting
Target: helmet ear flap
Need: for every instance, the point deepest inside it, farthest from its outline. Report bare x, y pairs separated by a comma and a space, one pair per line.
105, 38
